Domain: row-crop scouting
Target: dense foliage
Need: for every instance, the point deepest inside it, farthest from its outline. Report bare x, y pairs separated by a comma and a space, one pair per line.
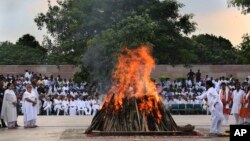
243, 4
75, 23
244, 53
20, 55
214, 50
92, 33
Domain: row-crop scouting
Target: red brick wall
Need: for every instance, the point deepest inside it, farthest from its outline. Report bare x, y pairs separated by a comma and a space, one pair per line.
67, 71
238, 71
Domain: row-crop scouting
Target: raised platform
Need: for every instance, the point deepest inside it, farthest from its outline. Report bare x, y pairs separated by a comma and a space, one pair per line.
71, 128
138, 133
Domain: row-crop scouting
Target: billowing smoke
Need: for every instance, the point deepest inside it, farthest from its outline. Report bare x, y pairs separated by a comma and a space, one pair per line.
100, 63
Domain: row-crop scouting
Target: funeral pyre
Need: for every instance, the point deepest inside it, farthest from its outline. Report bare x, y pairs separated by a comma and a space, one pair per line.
133, 104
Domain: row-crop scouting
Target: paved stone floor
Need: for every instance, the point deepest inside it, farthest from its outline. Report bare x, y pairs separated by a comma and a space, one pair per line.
71, 128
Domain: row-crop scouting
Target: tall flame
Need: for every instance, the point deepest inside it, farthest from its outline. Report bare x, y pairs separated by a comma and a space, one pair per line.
132, 79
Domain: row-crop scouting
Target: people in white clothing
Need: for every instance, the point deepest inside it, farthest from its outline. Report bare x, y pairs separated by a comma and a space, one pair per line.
47, 106
95, 108
181, 100
26, 74
216, 85
38, 104
80, 107
215, 107
237, 97
72, 107
29, 108
9, 110
57, 105
65, 106
87, 108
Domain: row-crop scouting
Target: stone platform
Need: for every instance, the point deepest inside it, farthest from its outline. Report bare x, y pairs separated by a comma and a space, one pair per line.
71, 128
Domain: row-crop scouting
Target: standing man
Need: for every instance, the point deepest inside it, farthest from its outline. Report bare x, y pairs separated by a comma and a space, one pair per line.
238, 95
37, 106
19, 97
3, 125
215, 107
190, 75
226, 99
245, 108
198, 76
248, 105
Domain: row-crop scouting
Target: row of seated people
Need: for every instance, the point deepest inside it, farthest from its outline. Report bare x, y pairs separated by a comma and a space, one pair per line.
185, 105
68, 106
188, 109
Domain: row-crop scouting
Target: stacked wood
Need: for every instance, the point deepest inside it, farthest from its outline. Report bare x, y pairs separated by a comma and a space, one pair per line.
129, 117
132, 103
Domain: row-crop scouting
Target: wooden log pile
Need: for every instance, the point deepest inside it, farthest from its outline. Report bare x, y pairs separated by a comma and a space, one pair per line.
130, 118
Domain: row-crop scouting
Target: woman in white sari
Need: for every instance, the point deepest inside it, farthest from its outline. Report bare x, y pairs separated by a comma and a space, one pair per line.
9, 111
29, 108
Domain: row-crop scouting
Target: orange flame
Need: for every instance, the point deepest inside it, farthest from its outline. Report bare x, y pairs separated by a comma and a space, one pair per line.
132, 79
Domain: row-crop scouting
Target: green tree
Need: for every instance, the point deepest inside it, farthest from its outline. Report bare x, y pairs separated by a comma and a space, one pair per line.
243, 4
74, 23
164, 30
245, 49
98, 29
11, 54
211, 49
29, 40
6, 43
142, 27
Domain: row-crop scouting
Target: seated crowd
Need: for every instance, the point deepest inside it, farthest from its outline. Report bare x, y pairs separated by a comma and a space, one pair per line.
57, 96
179, 96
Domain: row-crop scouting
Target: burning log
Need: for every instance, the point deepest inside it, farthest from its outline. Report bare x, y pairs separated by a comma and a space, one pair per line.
129, 118
132, 103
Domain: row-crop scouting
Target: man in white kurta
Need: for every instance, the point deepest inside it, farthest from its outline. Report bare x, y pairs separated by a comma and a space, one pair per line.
29, 108
65, 106
237, 97
9, 111
80, 106
72, 107
47, 106
215, 107
57, 105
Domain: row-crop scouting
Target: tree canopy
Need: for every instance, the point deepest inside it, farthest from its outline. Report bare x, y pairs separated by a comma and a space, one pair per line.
244, 52
74, 23
30, 41
243, 4
94, 31
211, 49
12, 54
